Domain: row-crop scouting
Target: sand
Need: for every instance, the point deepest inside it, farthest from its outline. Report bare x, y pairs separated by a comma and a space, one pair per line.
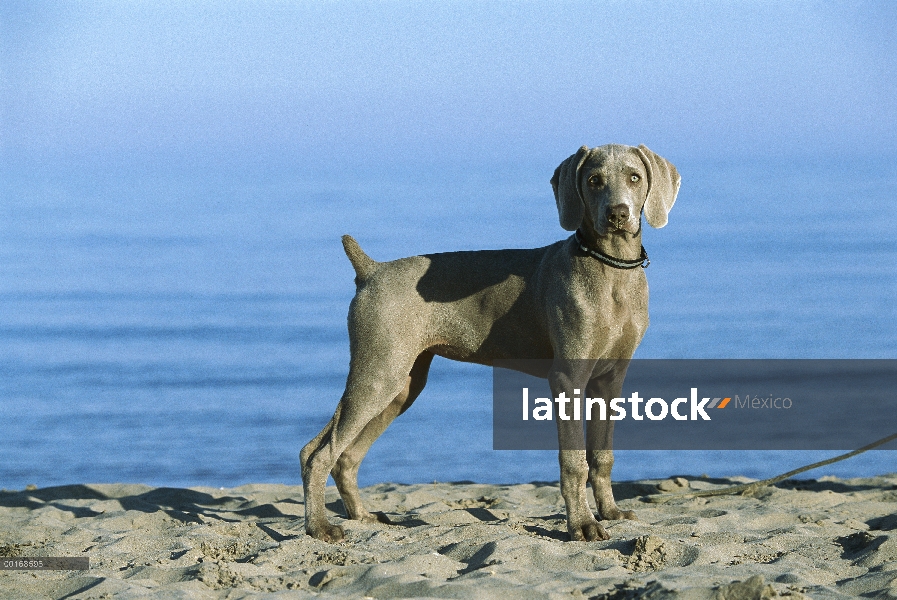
827, 538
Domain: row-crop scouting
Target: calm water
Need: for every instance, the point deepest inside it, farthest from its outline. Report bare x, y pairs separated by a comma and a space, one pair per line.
186, 331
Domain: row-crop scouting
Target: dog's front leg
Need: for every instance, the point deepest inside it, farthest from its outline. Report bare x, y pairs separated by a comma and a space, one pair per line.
599, 441
565, 377
600, 464
581, 523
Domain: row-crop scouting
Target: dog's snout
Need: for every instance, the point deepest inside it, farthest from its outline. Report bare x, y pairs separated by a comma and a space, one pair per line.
618, 213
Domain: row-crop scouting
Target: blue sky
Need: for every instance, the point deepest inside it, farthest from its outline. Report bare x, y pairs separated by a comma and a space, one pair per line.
308, 84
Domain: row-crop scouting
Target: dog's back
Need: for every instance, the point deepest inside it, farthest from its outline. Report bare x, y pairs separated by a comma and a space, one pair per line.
473, 306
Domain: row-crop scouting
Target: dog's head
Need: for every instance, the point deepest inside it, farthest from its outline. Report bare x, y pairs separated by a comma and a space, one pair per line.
612, 185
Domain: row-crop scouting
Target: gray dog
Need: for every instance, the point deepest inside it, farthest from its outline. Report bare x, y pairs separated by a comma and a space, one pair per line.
575, 303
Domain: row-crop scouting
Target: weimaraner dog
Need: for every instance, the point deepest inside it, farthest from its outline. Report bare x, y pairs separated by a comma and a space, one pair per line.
574, 303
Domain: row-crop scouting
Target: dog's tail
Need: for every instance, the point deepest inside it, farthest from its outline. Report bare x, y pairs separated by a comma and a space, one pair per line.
363, 264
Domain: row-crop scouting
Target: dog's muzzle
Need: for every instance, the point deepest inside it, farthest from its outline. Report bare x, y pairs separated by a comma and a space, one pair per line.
618, 217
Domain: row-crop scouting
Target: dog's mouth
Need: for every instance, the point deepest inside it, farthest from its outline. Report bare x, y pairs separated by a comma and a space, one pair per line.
619, 225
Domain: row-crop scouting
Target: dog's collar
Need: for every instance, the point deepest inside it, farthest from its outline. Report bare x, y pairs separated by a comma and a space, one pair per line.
618, 263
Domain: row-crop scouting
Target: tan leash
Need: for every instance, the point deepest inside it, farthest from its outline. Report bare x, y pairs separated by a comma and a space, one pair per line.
747, 488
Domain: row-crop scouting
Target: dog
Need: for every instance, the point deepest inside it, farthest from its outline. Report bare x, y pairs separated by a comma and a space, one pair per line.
575, 303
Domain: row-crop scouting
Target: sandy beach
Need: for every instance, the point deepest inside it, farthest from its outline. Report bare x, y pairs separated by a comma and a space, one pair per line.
826, 538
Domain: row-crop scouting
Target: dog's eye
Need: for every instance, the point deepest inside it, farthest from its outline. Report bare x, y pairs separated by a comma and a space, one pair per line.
635, 178
595, 180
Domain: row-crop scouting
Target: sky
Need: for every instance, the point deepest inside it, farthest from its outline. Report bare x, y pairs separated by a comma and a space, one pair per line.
308, 86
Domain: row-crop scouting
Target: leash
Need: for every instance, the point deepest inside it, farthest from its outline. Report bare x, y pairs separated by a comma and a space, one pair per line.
748, 488
618, 263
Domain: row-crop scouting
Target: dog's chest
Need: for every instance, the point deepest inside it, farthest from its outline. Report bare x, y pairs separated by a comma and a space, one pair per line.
618, 312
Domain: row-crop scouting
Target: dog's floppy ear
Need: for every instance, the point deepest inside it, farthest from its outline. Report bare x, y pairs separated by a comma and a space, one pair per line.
663, 186
567, 194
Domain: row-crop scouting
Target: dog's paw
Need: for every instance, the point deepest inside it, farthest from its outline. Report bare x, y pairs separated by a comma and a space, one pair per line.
615, 514
382, 517
587, 531
326, 532
377, 517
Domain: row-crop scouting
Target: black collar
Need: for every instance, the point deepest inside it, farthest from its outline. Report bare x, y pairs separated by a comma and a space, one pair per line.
612, 261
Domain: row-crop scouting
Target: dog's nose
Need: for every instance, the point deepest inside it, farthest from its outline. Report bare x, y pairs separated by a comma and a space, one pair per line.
618, 213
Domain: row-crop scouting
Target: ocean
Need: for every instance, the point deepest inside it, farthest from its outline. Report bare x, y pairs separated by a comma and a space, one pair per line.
189, 329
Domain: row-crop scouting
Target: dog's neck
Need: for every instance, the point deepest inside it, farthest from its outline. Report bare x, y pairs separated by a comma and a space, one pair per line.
616, 243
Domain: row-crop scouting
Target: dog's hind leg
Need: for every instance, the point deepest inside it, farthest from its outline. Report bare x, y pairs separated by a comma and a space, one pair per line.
345, 472
375, 379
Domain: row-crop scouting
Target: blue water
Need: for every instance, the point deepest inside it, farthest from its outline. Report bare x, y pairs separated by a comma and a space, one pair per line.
178, 329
